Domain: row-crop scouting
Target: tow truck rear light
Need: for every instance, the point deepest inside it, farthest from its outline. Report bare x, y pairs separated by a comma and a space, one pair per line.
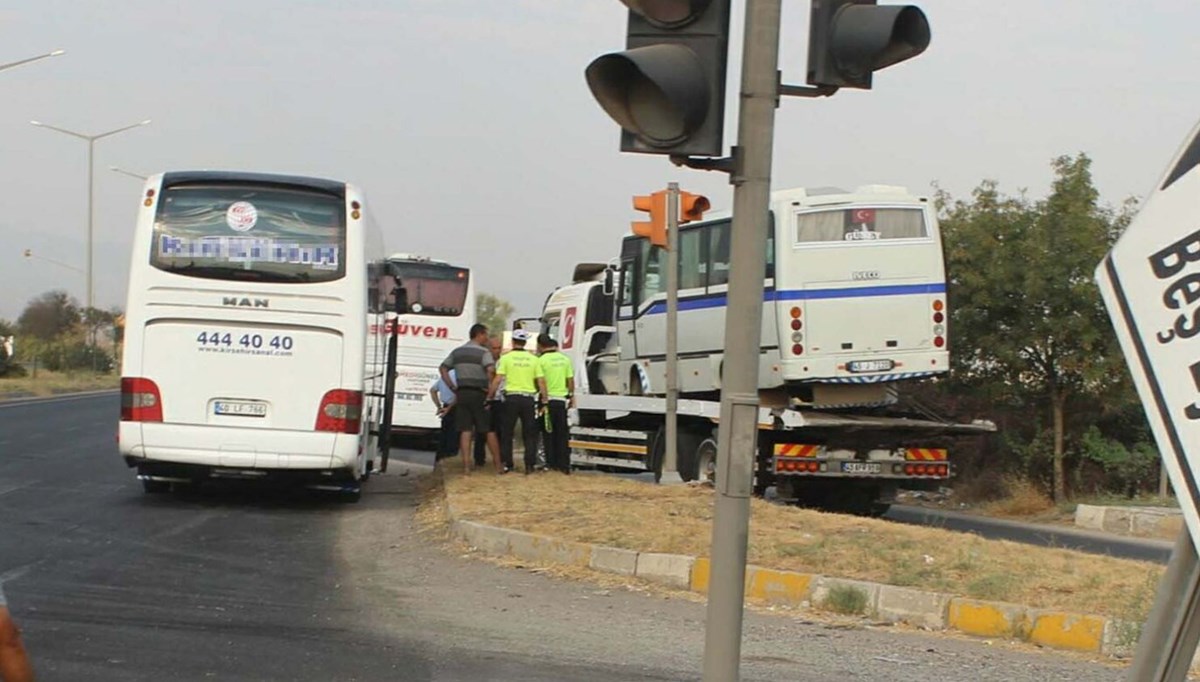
939, 331
141, 400
340, 411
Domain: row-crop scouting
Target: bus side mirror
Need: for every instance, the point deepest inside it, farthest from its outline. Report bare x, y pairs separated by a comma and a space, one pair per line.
401, 300
609, 279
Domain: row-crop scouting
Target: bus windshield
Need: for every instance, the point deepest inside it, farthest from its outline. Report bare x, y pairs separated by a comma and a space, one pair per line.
438, 289
239, 232
861, 224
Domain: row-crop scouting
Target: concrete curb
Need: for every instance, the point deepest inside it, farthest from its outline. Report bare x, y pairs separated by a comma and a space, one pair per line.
1162, 523
888, 603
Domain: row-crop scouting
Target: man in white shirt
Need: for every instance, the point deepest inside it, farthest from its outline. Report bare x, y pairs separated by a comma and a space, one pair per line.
443, 401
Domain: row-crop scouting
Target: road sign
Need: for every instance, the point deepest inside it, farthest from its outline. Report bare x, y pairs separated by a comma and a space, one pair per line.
1151, 285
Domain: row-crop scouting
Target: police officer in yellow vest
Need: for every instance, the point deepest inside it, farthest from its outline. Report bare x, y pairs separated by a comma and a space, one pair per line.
523, 383
559, 376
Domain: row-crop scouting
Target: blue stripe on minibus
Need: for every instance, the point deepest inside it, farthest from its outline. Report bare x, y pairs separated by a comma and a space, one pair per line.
719, 300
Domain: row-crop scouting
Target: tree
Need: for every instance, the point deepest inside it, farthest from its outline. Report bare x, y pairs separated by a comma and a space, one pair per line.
494, 312
49, 316
1028, 324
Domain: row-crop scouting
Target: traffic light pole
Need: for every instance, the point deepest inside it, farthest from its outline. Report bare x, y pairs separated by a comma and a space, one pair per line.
737, 435
670, 467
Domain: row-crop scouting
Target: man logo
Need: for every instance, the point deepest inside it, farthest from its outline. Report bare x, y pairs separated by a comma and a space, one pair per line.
246, 302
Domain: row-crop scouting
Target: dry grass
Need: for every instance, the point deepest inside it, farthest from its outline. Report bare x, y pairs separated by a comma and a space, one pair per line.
53, 383
1021, 498
677, 519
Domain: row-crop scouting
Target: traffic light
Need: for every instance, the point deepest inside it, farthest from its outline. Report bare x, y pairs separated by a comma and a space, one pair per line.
692, 207
667, 89
654, 229
850, 39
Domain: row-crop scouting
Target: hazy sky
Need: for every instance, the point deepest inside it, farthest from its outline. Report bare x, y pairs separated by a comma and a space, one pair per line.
470, 127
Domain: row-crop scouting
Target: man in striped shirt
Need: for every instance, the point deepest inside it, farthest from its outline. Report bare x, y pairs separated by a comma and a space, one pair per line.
474, 368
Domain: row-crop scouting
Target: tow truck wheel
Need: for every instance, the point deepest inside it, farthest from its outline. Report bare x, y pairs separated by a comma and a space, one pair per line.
706, 460
685, 462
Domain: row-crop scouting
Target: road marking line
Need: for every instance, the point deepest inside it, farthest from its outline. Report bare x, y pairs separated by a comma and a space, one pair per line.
19, 402
19, 571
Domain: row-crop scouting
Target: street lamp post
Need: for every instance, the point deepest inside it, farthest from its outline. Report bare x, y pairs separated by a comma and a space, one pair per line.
29, 254
91, 140
131, 174
32, 59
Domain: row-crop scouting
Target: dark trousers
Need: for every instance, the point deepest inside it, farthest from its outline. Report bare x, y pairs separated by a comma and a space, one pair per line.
519, 407
557, 441
447, 445
494, 419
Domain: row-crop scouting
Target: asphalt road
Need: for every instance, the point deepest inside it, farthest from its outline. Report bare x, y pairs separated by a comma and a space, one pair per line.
240, 583
1035, 534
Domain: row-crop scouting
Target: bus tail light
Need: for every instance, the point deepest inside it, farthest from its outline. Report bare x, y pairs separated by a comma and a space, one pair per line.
140, 400
340, 411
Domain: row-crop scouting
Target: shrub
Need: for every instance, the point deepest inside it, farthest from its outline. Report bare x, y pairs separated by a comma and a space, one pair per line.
846, 599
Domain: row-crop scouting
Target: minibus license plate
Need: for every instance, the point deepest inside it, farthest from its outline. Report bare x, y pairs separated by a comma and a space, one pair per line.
870, 365
862, 467
239, 408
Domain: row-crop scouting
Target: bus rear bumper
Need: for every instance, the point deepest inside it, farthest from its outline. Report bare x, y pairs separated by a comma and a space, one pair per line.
224, 448
176, 472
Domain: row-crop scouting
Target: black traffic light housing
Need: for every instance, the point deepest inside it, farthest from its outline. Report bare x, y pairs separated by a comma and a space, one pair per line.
667, 89
850, 39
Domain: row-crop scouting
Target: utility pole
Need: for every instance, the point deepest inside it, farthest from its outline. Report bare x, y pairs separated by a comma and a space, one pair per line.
738, 432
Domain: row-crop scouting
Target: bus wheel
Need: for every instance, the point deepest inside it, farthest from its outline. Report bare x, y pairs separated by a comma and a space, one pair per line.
152, 487
706, 461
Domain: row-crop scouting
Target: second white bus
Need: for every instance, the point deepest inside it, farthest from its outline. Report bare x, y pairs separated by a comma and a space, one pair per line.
438, 321
245, 352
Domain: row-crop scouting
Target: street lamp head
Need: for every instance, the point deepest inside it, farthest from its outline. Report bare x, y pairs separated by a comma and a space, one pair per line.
57, 53
145, 123
37, 123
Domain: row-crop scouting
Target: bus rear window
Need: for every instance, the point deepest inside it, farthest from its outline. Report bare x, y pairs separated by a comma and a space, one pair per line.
861, 224
239, 232
438, 289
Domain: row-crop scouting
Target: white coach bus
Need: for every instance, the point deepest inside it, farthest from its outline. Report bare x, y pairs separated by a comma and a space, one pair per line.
441, 315
854, 298
245, 349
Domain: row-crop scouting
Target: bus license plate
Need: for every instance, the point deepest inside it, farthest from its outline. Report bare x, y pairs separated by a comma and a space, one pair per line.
239, 408
870, 365
862, 467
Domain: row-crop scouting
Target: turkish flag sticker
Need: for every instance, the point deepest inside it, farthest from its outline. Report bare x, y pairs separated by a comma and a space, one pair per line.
568, 328
864, 216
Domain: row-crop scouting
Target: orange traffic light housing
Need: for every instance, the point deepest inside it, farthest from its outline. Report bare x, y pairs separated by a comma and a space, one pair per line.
654, 229
692, 207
